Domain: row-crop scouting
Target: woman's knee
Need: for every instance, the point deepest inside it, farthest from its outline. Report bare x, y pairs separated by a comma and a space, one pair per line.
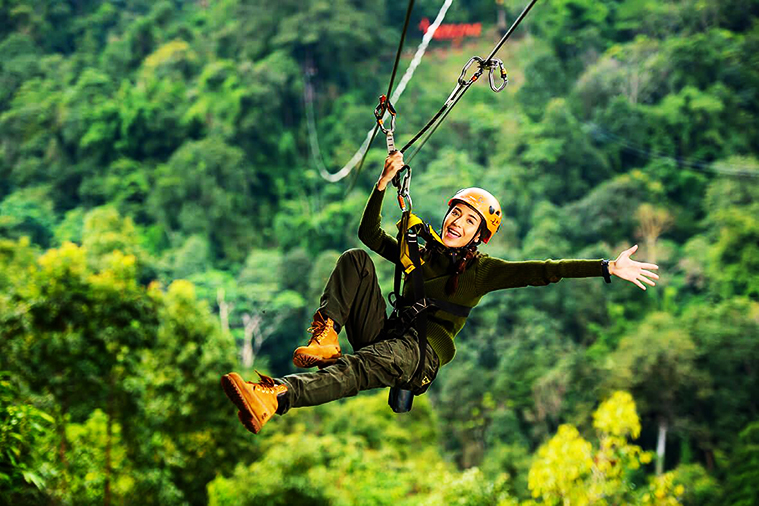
356, 253
359, 258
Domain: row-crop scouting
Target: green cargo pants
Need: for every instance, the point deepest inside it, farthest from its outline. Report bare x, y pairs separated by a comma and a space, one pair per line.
352, 298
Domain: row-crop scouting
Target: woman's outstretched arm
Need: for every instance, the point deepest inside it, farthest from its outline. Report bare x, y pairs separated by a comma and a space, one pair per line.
497, 274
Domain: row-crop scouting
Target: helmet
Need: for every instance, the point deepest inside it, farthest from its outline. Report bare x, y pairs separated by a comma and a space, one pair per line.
485, 204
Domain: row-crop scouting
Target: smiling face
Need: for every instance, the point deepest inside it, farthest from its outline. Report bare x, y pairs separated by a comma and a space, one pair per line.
461, 226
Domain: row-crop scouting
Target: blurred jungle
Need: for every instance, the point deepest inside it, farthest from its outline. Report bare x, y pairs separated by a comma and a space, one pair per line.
163, 221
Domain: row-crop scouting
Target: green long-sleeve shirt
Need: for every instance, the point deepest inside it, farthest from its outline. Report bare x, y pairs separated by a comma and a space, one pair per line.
483, 275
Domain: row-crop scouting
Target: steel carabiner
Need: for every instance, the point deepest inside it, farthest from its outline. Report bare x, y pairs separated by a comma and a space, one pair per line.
476, 75
403, 187
385, 106
504, 76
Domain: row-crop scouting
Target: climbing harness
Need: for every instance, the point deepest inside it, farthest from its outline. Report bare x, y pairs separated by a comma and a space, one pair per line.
412, 313
408, 313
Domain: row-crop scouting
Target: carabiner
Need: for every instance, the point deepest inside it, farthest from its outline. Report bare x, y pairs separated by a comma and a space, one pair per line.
476, 75
383, 107
504, 76
379, 112
403, 187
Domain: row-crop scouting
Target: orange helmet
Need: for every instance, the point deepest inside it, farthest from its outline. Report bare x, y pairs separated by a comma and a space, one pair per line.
485, 204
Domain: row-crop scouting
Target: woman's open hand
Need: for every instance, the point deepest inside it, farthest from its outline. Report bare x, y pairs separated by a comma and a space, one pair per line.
393, 163
635, 272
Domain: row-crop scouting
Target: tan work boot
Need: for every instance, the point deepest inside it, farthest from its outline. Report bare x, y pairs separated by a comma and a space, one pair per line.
257, 402
323, 349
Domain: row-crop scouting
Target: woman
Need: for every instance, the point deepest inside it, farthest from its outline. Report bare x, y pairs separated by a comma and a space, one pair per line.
453, 272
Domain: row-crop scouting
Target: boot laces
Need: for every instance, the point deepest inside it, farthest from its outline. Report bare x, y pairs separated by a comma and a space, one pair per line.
266, 385
318, 329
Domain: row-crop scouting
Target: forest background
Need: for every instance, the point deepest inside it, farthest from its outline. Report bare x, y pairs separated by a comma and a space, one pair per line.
163, 221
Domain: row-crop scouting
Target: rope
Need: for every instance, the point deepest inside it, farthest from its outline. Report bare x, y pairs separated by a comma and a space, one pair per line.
360, 154
598, 132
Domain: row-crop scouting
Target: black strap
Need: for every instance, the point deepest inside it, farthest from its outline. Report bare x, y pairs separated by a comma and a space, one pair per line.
407, 315
398, 266
417, 278
450, 307
414, 313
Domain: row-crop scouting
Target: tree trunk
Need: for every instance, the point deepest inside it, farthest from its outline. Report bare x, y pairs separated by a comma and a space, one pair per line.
661, 443
224, 309
709, 460
502, 20
247, 340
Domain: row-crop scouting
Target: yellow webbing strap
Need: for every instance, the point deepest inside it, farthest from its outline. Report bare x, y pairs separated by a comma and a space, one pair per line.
412, 221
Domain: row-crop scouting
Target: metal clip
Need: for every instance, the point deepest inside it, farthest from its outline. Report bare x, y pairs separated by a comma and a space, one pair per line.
403, 187
504, 76
490, 65
379, 112
382, 108
476, 75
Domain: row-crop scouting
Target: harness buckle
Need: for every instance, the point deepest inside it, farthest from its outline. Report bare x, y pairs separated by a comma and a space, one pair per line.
408, 314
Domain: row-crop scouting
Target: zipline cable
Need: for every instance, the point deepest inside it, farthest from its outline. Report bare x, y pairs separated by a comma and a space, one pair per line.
389, 90
432, 131
400, 46
360, 154
598, 132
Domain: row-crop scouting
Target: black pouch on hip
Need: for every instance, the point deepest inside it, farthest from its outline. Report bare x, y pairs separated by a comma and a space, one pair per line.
400, 400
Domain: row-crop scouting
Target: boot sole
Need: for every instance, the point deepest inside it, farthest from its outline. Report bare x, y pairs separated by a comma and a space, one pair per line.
305, 361
229, 383
248, 423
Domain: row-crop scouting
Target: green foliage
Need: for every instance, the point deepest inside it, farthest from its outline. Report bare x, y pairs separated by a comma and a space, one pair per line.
142, 361
733, 226
22, 426
206, 188
382, 459
568, 470
94, 449
28, 212
166, 140
744, 468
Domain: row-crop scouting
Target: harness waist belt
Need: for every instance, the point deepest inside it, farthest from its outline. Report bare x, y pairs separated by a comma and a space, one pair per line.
410, 312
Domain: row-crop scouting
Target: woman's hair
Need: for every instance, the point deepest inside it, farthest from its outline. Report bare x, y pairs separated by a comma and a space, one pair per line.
461, 260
